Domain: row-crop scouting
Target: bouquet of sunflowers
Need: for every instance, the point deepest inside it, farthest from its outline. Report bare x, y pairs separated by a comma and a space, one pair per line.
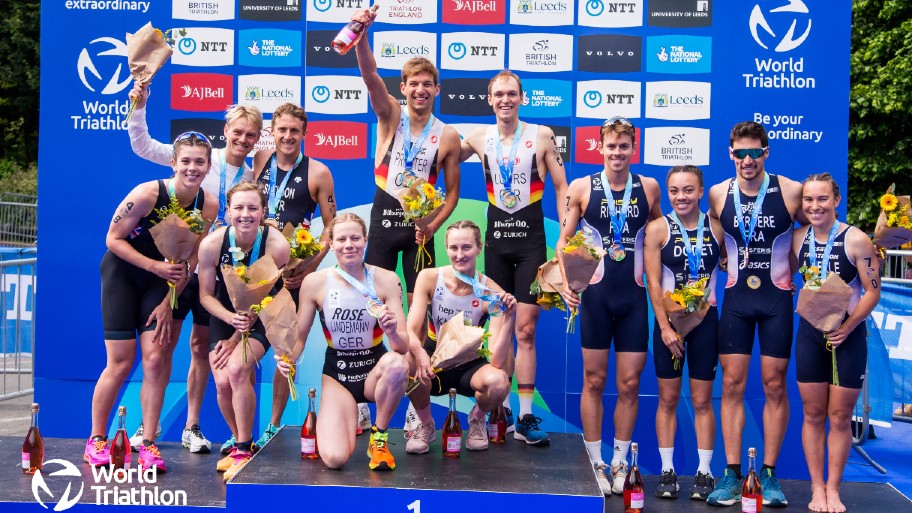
547, 285
457, 344
421, 203
176, 234
894, 226
147, 51
686, 306
304, 249
579, 259
823, 304
248, 287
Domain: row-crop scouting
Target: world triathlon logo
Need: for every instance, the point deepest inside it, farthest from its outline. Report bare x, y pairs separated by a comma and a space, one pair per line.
774, 22
104, 61
64, 501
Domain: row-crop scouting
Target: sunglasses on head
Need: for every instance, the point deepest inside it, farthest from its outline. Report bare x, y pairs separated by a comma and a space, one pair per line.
188, 135
617, 120
753, 153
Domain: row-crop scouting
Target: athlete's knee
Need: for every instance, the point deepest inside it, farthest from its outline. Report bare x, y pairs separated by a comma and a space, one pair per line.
496, 384
733, 383
199, 349
333, 458
668, 403
628, 384
238, 374
774, 388
841, 416
701, 405
394, 365
815, 415
153, 364
222, 383
594, 381
525, 333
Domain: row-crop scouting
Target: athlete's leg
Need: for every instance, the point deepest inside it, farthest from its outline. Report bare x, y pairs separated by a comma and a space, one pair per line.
815, 397
595, 370
338, 418
629, 368
525, 365
666, 414
243, 396
704, 416
839, 441
385, 386
776, 409
223, 395
120, 355
734, 381
198, 375
156, 365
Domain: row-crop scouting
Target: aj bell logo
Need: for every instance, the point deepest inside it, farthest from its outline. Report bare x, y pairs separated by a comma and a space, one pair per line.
794, 9
40, 485
336, 140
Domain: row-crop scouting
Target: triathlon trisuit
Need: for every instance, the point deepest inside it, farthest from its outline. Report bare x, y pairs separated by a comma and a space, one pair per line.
444, 305
354, 339
701, 349
615, 307
218, 329
297, 206
813, 361
130, 294
389, 233
515, 236
759, 297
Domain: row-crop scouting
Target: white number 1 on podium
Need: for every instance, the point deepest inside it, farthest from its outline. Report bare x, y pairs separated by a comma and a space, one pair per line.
415, 506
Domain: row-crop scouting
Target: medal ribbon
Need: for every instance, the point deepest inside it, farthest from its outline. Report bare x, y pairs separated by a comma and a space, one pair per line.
618, 219
506, 167
223, 200
274, 195
747, 232
495, 305
812, 253
410, 150
173, 195
366, 289
254, 251
694, 253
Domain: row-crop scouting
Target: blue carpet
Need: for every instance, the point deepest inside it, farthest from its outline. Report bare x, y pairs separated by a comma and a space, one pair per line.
891, 450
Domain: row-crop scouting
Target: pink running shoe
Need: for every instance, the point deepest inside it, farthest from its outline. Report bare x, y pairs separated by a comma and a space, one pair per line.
150, 457
97, 453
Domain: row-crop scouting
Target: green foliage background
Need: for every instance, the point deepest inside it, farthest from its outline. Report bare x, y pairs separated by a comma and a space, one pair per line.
880, 133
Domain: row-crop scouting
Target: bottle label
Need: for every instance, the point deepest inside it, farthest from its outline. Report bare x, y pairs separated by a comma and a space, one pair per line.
637, 499
308, 445
453, 443
26, 461
748, 504
346, 36
492, 430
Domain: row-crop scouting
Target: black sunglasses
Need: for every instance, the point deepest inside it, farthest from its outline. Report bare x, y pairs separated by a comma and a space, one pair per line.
754, 153
617, 120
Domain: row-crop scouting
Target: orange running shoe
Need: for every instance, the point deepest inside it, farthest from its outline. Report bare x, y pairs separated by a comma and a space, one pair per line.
378, 452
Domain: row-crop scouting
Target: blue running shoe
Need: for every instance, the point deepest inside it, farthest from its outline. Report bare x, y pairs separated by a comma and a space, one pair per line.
510, 422
772, 492
228, 445
270, 431
728, 490
527, 430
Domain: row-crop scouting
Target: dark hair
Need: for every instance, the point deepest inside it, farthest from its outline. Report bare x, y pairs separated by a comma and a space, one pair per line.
417, 65
191, 140
823, 177
465, 224
685, 169
246, 186
749, 129
505, 75
345, 218
290, 109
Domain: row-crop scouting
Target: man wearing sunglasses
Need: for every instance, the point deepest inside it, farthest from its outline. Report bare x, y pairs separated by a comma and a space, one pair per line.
242, 131
614, 205
757, 211
517, 158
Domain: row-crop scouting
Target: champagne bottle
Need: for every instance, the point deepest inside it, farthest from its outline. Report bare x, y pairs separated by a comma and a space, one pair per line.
452, 430
309, 448
33, 446
350, 34
497, 425
634, 495
121, 452
751, 490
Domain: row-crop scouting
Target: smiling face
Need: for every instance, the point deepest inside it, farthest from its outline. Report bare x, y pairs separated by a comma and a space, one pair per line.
463, 248
748, 168
819, 202
348, 242
241, 136
505, 97
684, 192
419, 90
618, 150
288, 133
246, 210
191, 165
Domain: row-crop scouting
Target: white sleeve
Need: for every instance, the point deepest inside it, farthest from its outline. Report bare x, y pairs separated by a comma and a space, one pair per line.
143, 144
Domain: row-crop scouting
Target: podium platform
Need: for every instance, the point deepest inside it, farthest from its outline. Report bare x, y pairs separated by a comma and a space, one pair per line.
513, 476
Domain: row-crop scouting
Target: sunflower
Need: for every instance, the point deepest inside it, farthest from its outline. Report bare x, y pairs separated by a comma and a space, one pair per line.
677, 298
266, 301
888, 202
696, 292
304, 237
428, 190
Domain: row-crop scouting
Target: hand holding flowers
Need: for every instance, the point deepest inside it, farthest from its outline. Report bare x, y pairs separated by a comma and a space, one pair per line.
421, 202
176, 234
579, 259
894, 226
686, 306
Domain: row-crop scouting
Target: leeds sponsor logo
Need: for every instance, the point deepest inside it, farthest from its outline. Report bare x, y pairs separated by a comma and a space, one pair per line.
792, 15
336, 140
393, 48
270, 10
671, 146
208, 10
602, 13
203, 47
680, 13
609, 53
679, 54
538, 12
678, 100
201, 92
267, 92
107, 5
321, 55
270, 48
474, 12
464, 97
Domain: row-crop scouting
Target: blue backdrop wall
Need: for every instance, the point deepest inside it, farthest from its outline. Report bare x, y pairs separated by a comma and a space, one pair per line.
683, 71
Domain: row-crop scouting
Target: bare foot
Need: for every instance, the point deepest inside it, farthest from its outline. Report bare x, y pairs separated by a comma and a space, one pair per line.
834, 504
818, 499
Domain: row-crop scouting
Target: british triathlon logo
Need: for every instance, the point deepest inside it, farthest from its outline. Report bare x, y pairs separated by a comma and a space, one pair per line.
769, 28
102, 66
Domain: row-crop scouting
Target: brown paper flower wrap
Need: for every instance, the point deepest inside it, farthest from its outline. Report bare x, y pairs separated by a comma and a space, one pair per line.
260, 278
548, 284
281, 321
304, 250
147, 51
456, 344
421, 202
893, 227
824, 307
687, 316
578, 260
176, 241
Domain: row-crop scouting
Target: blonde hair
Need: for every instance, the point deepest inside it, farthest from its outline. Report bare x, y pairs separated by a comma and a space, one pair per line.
465, 224
251, 114
417, 65
347, 217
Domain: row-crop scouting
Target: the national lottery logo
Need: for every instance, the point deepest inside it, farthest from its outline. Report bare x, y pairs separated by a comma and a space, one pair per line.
271, 48
547, 98
764, 26
678, 54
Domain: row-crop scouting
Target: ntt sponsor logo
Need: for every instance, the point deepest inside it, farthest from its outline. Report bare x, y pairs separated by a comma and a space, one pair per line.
679, 54
603, 99
678, 100
334, 11
335, 94
675, 146
610, 14
205, 10
203, 46
472, 51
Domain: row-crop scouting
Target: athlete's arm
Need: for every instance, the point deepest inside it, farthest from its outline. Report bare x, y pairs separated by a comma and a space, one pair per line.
322, 190
391, 318
716, 226
791, 193
554, 165
143, 144
860, 248
259, 162
716, 199
653, 196
472, 145
797, 241
417, 315
573, 212
656, 231
208, 262
385, 106
448, 161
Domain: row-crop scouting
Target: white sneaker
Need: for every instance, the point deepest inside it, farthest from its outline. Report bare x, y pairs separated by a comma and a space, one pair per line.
194, 440
478, 433
364, 418
618, 476
411, 421
419, 440
137, 438
601, 475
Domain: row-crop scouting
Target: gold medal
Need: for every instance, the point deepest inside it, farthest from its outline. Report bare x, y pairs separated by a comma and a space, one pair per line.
753, 282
